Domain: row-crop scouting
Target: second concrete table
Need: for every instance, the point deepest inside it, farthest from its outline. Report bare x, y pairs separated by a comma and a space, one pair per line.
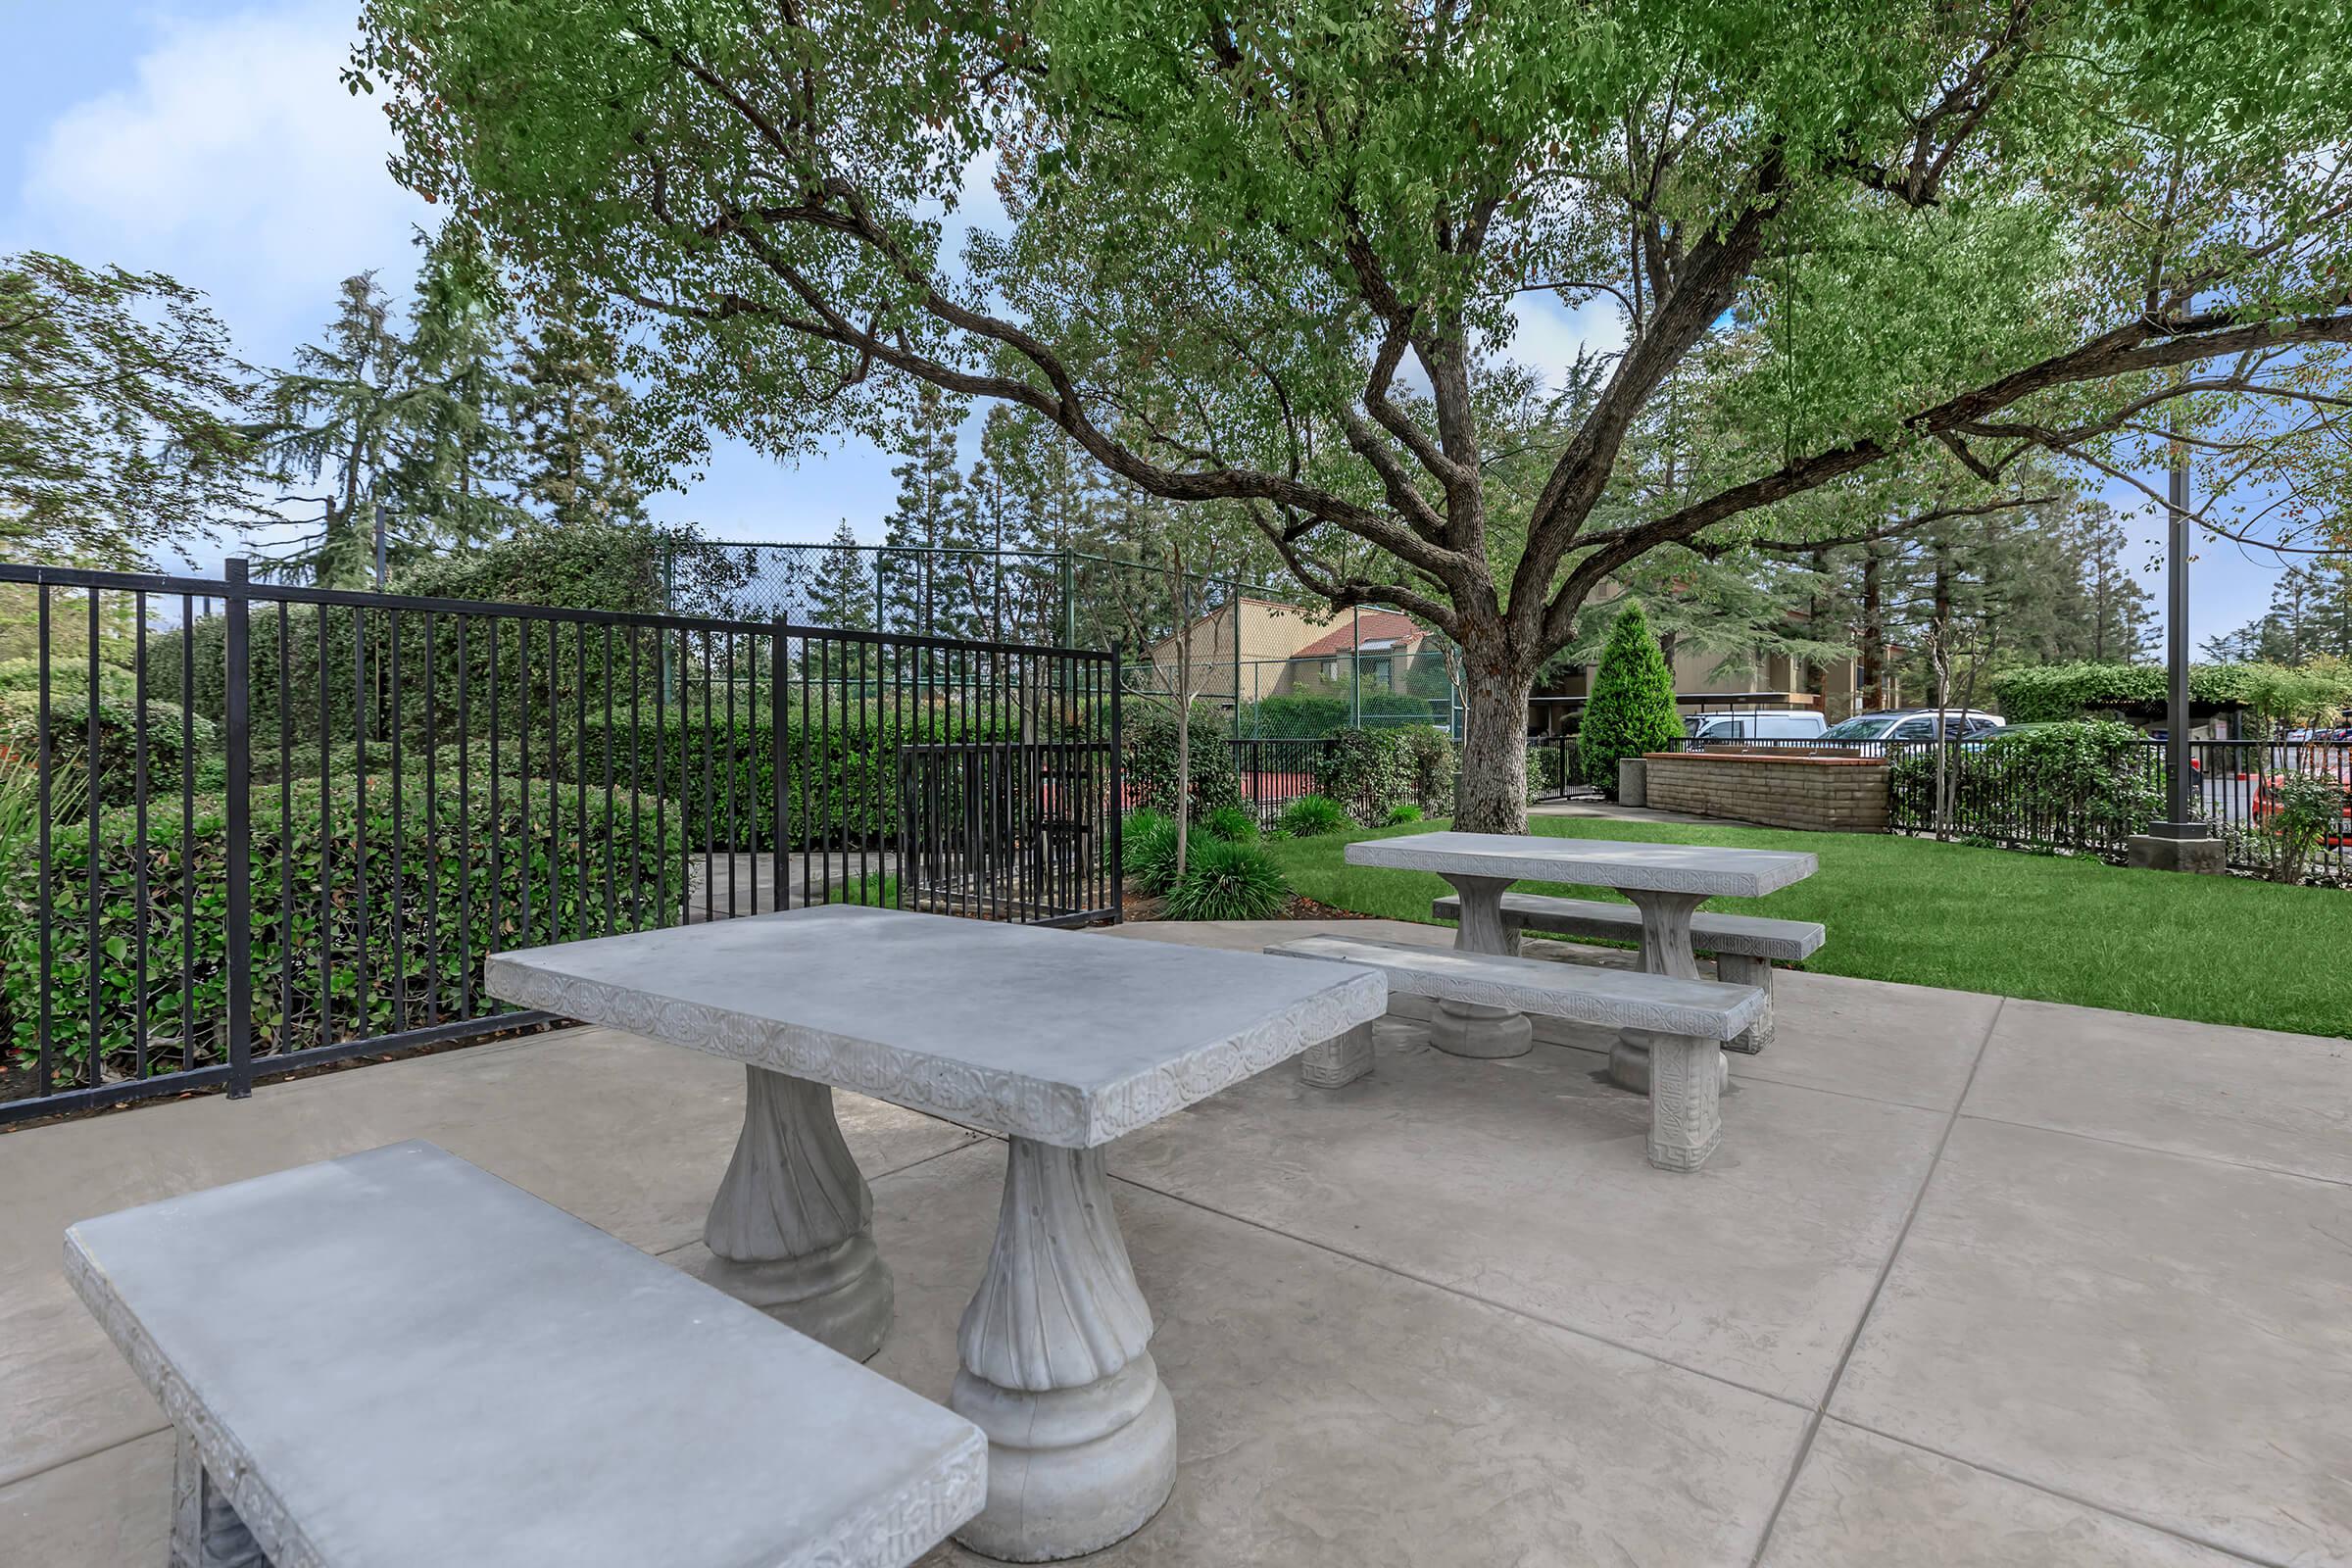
1666, 882
1058, 1041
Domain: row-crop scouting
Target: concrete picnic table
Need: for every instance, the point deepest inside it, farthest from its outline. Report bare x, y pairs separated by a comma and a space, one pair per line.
1666, 882
1057, 1042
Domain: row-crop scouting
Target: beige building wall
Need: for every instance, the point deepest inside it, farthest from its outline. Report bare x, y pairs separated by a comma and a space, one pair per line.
1269, 631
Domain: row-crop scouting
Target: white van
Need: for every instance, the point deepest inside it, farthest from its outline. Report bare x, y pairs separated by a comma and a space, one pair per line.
1731, 729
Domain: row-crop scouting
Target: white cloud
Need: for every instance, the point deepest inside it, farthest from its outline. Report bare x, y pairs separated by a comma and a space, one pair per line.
233, 158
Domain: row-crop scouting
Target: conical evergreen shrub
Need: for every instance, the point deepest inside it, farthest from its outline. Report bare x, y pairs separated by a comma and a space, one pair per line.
1631, 711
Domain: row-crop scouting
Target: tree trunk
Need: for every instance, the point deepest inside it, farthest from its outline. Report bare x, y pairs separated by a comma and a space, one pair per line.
1491, 796
1873, 673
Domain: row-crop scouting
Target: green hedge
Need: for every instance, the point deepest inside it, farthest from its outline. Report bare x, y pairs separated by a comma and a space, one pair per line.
1149, 741
414, 846
1373, 771
844, 774
2081, 786
69, 712
2047, 693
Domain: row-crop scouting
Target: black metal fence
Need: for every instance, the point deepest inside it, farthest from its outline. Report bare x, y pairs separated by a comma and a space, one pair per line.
2245, 792
249, 828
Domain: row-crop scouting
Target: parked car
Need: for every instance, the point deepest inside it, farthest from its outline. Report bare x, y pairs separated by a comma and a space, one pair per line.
1727, 729
1911, 725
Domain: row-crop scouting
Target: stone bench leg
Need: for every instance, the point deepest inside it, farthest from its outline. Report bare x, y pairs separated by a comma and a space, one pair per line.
1056, 1369
1757, 972
790, 1231
1686, 1090
206, 1532
1338, 1061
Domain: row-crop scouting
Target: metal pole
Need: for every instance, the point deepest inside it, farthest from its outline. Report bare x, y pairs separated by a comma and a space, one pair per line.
379, 547
239, 869
2176, 747
1355, 668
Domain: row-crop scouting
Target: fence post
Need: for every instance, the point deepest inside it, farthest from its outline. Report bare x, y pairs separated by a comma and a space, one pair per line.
777, 708
239, 675
1118, 791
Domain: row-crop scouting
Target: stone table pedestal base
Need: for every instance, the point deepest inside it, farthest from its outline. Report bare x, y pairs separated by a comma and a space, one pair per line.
790, 1231
1463, 1028
1665, 949
1056, 1369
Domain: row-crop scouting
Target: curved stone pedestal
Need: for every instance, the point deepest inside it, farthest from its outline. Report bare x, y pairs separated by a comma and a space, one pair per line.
1069, 1470
1081, 1433
790, 1231
1465, 1029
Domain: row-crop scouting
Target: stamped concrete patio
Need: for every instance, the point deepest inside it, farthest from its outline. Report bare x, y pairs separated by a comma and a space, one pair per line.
1972, 1281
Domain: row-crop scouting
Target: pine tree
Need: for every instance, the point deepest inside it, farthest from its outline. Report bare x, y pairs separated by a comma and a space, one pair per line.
577, 421
337, 418
1631, 711
843, 593
455, 481
921, 592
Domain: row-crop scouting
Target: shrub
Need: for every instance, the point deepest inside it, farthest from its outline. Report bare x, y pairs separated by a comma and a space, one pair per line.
1147, 849
2298, 810
1149, 743
1402, 814
1224, 881
2087, 784
1434, 764
1311, 816
843, 774
1631, 711
118, 722
1367, 770
368, 879
1233, 823
70, 675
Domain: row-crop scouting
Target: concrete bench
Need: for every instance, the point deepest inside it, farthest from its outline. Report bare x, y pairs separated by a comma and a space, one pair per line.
1744, 947
1683, 1021
397, 1357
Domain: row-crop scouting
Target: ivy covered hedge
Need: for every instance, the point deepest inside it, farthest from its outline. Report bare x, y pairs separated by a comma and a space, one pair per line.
534, 872
2050, 693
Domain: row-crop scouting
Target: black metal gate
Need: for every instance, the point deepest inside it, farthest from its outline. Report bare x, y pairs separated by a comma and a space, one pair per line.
248, 828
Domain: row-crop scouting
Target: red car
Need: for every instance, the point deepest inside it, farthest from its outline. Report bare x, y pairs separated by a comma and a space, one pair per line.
2338, 762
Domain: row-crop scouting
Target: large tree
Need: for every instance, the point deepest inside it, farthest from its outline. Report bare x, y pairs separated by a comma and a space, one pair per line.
121, 413
1267, 255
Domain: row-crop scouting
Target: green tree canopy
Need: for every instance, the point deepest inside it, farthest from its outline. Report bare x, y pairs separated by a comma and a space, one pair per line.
121, 410
1267, 255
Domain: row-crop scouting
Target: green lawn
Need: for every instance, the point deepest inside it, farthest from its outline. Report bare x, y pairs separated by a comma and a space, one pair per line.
2221, 950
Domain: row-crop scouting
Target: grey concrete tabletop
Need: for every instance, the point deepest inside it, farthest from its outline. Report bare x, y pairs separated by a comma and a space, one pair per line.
1592, 863
1051, 1035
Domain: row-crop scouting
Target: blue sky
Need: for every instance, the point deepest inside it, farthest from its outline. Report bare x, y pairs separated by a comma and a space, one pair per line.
213, 142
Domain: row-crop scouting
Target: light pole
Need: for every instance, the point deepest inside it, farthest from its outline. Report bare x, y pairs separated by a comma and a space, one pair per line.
2181, 841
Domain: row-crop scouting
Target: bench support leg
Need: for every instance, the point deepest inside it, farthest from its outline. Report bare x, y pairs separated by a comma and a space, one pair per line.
206, 1532
1338, 1061
1685, 1089
1755, 972
1058, 1371
790, 1231
1463, 1028
1665, 949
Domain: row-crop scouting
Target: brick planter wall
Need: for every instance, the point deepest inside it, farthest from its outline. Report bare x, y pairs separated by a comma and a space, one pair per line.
1823, 794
